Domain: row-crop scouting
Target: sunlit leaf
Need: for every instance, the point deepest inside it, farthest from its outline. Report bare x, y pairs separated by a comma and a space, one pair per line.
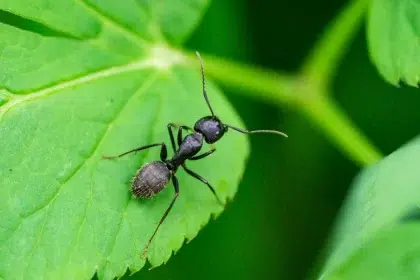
79, 79
394, 39
377, 233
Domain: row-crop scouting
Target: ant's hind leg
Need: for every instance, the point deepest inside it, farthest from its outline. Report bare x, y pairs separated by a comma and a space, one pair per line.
163, 151
198, 177
176, 186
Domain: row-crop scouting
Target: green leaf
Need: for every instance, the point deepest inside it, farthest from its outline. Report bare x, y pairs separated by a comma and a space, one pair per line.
378, 230
99, 86
393, 37
393, 253
146, 19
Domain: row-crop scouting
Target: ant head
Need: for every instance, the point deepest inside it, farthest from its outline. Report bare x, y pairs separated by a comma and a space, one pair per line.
211, 128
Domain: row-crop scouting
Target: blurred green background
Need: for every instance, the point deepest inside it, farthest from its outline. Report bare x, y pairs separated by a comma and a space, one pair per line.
284, 210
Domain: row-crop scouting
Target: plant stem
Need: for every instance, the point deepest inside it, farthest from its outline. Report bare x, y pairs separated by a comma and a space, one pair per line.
253, 80
325, 114
307, 91
273, 87
323, 61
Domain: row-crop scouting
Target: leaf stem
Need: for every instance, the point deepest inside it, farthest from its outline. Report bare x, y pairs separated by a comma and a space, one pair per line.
307, 90
251, 79
323, 61
296, 91
328, 117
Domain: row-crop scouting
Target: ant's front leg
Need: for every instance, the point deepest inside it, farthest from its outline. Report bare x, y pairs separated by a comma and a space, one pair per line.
171, 135
180, 132
179, 136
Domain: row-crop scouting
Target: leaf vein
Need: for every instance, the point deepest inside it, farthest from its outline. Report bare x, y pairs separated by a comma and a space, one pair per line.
142, 89
107, 20
37, 242
152, 78
86, 78
144, 155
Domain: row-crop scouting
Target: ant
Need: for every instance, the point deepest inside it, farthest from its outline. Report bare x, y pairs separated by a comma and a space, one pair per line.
154, 177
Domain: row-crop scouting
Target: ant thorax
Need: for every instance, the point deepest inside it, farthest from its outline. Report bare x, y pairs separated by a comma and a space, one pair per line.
188, 148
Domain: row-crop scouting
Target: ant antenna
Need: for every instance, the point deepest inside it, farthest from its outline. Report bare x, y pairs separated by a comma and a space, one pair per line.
204, 83
256, 131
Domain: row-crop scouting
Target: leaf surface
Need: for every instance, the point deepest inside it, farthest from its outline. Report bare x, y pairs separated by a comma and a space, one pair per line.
394, 39
102, 84
377, 233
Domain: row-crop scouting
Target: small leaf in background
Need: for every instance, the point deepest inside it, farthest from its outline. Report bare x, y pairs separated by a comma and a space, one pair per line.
393, 37
377, 233
73, 90
393, 253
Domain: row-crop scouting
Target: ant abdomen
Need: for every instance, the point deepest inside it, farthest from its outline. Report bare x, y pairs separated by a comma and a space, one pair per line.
150, 179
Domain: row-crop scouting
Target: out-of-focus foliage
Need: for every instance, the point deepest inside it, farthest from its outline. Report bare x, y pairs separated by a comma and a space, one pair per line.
393, 33
371, 231
298, 186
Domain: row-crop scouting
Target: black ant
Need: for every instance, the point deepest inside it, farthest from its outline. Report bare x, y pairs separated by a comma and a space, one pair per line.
153, 177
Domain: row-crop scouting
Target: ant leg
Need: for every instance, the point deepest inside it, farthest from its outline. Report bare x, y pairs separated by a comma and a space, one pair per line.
180, 133
171, 135
203, 155
163, 151
179, 136
198, 177
176, 186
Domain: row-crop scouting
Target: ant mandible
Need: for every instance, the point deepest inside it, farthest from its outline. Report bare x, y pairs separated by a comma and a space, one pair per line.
154, 177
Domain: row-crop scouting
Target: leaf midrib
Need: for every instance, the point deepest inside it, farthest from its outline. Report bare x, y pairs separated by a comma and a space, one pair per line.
112, 22
144, 63
153, 61
156, 60
150, 80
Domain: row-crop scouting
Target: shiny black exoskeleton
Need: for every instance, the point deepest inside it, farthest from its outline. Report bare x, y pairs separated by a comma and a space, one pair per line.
155, 176
211, 128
